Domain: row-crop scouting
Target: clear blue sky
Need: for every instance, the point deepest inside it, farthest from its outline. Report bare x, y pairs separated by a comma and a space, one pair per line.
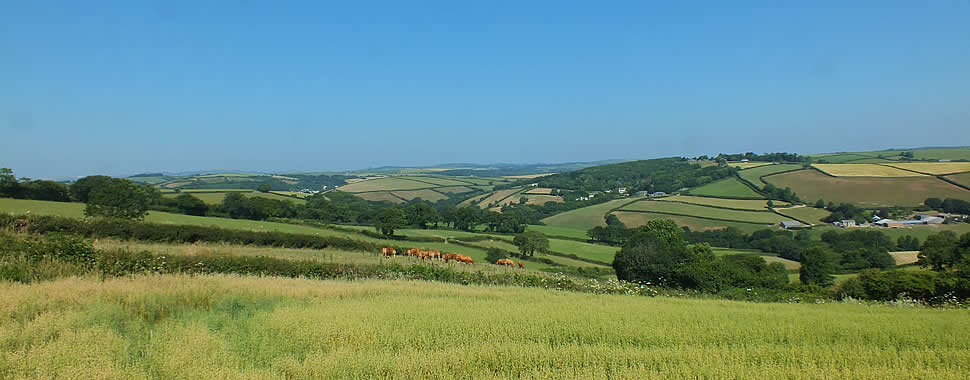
141, 86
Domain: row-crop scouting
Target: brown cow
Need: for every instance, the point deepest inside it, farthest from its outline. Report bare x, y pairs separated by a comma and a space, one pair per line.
434, 254
388, 252
465, 259
506, 262
521, 266
411, 252
449, 256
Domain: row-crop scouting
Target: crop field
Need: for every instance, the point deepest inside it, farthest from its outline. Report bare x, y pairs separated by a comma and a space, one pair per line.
748, 165
455, 189
864, 170
754, 175
584, 218
379, 196
905, 257
428, 195
542, 199
539, 190
498, 196
963, 178
867, 192
746, 204
438, 181
704, 212
384, 184
637, 218
934, 168
728, 187
808, 214
174, 326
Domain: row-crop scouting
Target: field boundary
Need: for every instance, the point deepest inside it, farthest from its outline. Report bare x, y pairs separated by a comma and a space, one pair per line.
698, 217
711, 206
792, 217
952, 182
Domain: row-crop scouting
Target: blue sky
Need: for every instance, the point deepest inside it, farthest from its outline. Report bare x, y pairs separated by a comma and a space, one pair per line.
138, 86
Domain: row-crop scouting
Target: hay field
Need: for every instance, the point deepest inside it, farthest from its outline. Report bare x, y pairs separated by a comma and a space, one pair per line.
455, 189
542, 199
869, 191
540, 190
384, 184
636, 218
380, 196
963, 178
905, 257
754, 175
584, 218
808, 214
789, 264
175, 326
747, 204
428, 195
934, 168
727, 187
704, 212
864, 170
498, 196
747, 165
438, 181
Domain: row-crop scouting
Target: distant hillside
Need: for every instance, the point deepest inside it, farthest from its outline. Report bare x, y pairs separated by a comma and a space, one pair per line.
662, 174
487, 170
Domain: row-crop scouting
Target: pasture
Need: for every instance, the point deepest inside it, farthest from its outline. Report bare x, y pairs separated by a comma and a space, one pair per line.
727, 187
454, 189
542, 199
385, 184
428, 195
175, 326
638, 218
439, 181
962, 178
754, 175
864, 170
559, 231
809, 214
743, 204
934, 168
762, 217
498, 196
380, 196
748, 165
585, 218
868, 191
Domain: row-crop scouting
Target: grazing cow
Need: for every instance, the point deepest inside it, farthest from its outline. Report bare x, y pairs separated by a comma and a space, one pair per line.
388, 252
449, 256
412, 252
506, 262
465, 259
521, 266
434, 254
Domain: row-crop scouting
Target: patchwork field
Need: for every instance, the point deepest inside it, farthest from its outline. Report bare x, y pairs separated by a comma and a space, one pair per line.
380, 196
584, 218
838, 158
963, 178
384, 184
728, 187
704, 212
542, 199
745, 204
754, 175
540, 190
864, 170
428, 195
438, 181
216, 198
867, 192
748, 165
175, 326
808, 214
498, 196
934, 168
636, 218
456, 189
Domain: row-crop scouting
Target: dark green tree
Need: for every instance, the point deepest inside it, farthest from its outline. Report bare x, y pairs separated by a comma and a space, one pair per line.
907, 243
933, 203
818, 264
939, 251
530, 242
118, 198
8, 183
265, 187
389, 220
651, 257
189, 204
81, 188
421, 214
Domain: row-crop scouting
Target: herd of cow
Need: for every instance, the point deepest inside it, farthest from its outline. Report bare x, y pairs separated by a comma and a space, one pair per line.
434, 254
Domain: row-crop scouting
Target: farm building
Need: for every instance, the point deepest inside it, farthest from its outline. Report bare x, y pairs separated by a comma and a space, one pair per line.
621, 190
791, 225
642, 193
845, 223
657, 194
888, 223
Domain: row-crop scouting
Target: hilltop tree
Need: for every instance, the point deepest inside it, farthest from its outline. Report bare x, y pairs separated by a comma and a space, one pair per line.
530, 242
8, 183
118, 198
81, 188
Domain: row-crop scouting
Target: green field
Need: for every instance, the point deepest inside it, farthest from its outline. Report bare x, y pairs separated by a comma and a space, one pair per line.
808, 214
867, 192
918, 154
728, 187
559, 231
705, 212
216, 198
840, 158
584, 218
455, 189
744, 204
754, 175
380, 196
920, 232
428, 195
384, 184
636, 219
173, 326
963, 179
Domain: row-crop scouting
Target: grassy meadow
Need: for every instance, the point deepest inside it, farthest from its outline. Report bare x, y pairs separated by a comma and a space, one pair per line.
763, 217
962, 178
728, 187
175, 326
868, 191
638, 218
864, 170
585, 218
808, 214
574, 233
742, 204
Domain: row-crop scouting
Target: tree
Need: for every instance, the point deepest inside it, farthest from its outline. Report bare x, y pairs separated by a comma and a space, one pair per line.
939, 251
820, 204
118, 198
818, 264
933, 203
389, 220
265, 187
188, 204
466, 218
81, 188
421, 214
530, 242
907, 243
651, 257
494, 254
8, 183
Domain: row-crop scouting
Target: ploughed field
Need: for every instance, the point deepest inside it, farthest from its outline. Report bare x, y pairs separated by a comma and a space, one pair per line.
173, 326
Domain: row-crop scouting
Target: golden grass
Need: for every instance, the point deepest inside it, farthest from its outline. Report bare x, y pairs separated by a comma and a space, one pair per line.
380, 196
542, 199
381, 184
905, 257
428, 195
539, 190
248, 327
498, 196
934, 168
789, 264
864, 170
748, 165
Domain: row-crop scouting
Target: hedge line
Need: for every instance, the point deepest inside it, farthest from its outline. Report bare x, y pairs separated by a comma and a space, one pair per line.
170, 233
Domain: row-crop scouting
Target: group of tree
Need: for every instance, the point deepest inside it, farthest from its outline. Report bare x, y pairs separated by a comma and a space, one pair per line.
658, 254
777, 193
766, 157
948, 205
663, 174
26, 188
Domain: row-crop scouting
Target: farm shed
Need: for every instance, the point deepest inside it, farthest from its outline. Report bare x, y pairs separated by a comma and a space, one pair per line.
791, 224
